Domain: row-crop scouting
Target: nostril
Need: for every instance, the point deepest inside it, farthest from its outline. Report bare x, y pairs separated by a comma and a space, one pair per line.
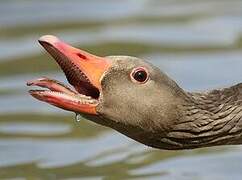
81, 56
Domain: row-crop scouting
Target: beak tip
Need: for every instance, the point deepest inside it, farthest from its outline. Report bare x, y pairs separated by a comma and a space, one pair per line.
48, 39
32, 93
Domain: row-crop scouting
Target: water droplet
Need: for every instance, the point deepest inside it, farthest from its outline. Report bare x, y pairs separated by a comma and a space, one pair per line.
78, 117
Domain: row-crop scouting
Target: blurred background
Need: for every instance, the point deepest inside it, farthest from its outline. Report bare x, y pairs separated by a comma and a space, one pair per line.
198, 43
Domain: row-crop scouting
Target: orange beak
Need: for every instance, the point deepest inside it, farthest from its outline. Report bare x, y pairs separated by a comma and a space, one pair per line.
84, 72
91, 65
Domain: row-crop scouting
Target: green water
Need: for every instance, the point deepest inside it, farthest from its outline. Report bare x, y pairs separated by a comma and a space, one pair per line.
198, 43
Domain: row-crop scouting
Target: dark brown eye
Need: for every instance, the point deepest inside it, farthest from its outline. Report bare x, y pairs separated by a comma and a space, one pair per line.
140, 75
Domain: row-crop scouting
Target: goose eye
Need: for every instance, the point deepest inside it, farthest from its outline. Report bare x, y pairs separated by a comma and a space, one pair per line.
139, 75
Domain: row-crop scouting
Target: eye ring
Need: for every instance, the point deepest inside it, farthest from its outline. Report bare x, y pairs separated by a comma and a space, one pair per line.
139, 75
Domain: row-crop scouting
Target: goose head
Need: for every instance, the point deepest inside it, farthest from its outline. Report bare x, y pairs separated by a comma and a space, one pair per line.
125, 93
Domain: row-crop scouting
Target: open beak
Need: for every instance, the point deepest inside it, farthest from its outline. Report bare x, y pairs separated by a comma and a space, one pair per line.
83, 71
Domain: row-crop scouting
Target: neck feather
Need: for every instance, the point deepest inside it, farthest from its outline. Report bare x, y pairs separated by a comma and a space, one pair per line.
209, 119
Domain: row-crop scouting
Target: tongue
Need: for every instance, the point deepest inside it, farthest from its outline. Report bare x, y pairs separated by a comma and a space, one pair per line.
52, 85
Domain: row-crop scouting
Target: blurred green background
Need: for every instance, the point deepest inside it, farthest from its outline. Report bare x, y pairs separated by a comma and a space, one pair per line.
197, 42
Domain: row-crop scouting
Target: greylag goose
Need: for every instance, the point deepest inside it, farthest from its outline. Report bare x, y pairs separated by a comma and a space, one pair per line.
137, 99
